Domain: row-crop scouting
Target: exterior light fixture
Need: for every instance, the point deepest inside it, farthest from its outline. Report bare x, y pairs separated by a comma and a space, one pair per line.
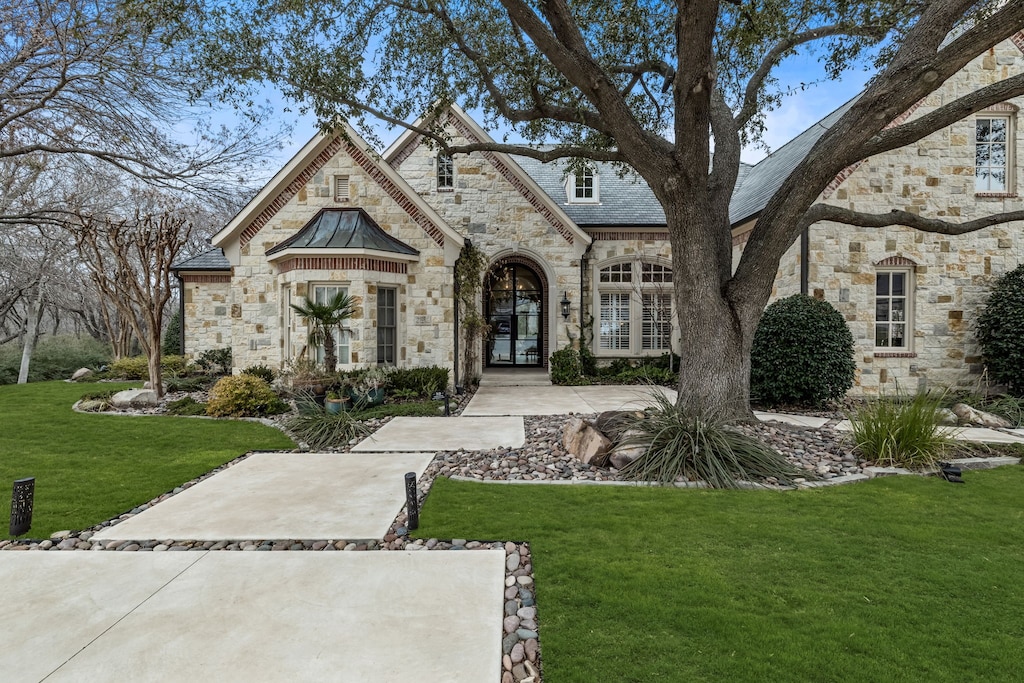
951, 473
565, 305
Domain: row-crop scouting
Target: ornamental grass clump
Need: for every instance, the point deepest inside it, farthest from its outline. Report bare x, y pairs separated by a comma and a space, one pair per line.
700, 447
901, 431
317, 428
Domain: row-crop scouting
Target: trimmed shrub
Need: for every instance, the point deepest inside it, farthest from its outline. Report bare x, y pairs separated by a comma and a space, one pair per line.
900, 431
802, 353
699, 447
566, 367
243, 396
413, 382
1001, 331
137, 367
264, 372
215, 361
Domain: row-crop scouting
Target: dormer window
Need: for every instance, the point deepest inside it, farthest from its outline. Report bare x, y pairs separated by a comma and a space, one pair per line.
445, 173
583, 186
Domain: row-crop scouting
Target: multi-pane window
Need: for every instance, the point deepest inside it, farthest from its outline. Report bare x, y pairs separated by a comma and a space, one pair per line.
635, 306
387, 325
992, 154
657, 322
892, 309
445, 172
583, 186
614, 334
324, 294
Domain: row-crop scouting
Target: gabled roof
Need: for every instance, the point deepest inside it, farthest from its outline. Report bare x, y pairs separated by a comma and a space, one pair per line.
310, 159
766, 177
212, 259
347, 228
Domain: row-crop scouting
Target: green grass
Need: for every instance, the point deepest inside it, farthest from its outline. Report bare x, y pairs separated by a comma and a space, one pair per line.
411, 409
89, 468
897, 579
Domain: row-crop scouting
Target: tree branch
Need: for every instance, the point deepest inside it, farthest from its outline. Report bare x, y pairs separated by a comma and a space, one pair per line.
836, 214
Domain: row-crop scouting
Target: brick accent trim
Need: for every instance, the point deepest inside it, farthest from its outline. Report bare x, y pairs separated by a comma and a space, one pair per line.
205, 278
343, 263
1005, 107
1018, 40
520, 260
996, 195
628, 235
887, 354
848, 171
290, 191
897, 261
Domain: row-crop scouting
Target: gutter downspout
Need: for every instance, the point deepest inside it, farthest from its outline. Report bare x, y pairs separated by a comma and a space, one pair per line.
584, 261
805, 254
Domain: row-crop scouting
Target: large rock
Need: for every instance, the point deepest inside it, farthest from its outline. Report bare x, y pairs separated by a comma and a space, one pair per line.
571, 435
81, 373
614, 423
947, 418
972, 416
134, 398
623, 455
585, 442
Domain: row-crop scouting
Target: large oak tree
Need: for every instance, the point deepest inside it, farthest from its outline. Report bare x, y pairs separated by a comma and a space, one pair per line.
653, 85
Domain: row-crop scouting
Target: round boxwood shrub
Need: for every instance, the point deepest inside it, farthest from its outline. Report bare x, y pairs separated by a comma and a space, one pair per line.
1001, 331
243, 396
802, 353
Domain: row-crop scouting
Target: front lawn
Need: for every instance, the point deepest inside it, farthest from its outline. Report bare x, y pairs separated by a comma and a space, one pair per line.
91, 467
899, 579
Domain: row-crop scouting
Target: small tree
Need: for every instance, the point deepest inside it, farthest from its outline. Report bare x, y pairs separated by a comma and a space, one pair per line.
1001, 331
324, 319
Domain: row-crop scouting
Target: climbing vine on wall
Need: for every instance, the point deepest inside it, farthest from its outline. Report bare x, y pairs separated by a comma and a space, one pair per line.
469, 280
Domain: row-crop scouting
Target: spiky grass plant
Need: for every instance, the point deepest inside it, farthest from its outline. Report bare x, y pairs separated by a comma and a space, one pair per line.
1007, 407
700, 447
316, 427
901, 430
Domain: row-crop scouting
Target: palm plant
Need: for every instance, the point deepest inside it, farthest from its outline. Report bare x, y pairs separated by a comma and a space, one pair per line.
324, 319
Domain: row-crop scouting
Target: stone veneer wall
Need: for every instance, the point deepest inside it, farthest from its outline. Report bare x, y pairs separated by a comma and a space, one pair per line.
487, 208
954, 275
207, 312
425, 318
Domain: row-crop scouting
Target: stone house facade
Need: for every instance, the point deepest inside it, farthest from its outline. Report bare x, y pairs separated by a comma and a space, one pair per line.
584, 254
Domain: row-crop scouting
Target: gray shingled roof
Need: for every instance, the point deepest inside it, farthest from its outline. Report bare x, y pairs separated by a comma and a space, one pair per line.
350, 228
766, 177
213, 259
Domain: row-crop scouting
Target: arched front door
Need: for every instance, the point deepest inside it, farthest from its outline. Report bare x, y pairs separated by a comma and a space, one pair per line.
515, 311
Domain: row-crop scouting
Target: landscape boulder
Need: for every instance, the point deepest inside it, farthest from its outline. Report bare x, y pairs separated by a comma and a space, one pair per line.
81, 373
947, 418
614, 423
973, 416
134, 398
582, 440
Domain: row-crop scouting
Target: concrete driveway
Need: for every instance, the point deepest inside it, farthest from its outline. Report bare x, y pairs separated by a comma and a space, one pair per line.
379, 617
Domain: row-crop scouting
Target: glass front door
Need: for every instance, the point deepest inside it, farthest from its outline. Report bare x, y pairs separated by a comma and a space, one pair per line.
515, 313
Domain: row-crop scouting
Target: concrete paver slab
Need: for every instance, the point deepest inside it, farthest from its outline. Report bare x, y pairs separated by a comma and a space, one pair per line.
525, 400
56, 603
612, 397
797, 420
231, 616
445, 434
283, 495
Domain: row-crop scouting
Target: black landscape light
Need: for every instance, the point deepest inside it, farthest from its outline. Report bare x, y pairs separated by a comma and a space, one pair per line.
565, 305
22, 500
951, 473
412, 506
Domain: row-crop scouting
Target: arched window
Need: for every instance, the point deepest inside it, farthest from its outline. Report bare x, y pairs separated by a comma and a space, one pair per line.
635, 309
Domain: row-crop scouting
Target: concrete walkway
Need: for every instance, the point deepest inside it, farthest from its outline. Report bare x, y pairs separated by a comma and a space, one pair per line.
552, 400
283, 496
445, 434
383, 617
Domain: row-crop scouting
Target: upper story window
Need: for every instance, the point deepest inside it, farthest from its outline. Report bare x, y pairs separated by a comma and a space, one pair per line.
445, 172
583, 187
994, 134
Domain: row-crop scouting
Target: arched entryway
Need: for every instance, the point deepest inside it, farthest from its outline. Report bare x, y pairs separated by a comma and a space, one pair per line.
514, 293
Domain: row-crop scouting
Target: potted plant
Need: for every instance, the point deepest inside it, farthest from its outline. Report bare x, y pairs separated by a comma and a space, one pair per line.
336, 402
370, 387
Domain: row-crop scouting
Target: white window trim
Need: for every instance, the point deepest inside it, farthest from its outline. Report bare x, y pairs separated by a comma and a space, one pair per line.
1011, 144
342, 189
636, 291
397, 307
909, 287
570, 188
346, 341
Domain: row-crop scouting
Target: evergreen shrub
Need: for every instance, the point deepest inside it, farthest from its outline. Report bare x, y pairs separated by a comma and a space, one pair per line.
802, 353
243, 396
566, 367
1000, 331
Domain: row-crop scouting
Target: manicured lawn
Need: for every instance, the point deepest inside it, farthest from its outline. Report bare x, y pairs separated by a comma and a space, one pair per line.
904, 579
89, 468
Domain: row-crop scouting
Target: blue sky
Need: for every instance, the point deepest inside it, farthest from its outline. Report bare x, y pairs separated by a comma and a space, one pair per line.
797, 113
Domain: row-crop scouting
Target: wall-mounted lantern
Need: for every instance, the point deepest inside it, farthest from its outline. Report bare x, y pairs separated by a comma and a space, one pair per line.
565, 305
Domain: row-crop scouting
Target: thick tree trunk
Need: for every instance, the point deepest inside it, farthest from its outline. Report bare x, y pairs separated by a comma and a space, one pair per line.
32, 318
156, 379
